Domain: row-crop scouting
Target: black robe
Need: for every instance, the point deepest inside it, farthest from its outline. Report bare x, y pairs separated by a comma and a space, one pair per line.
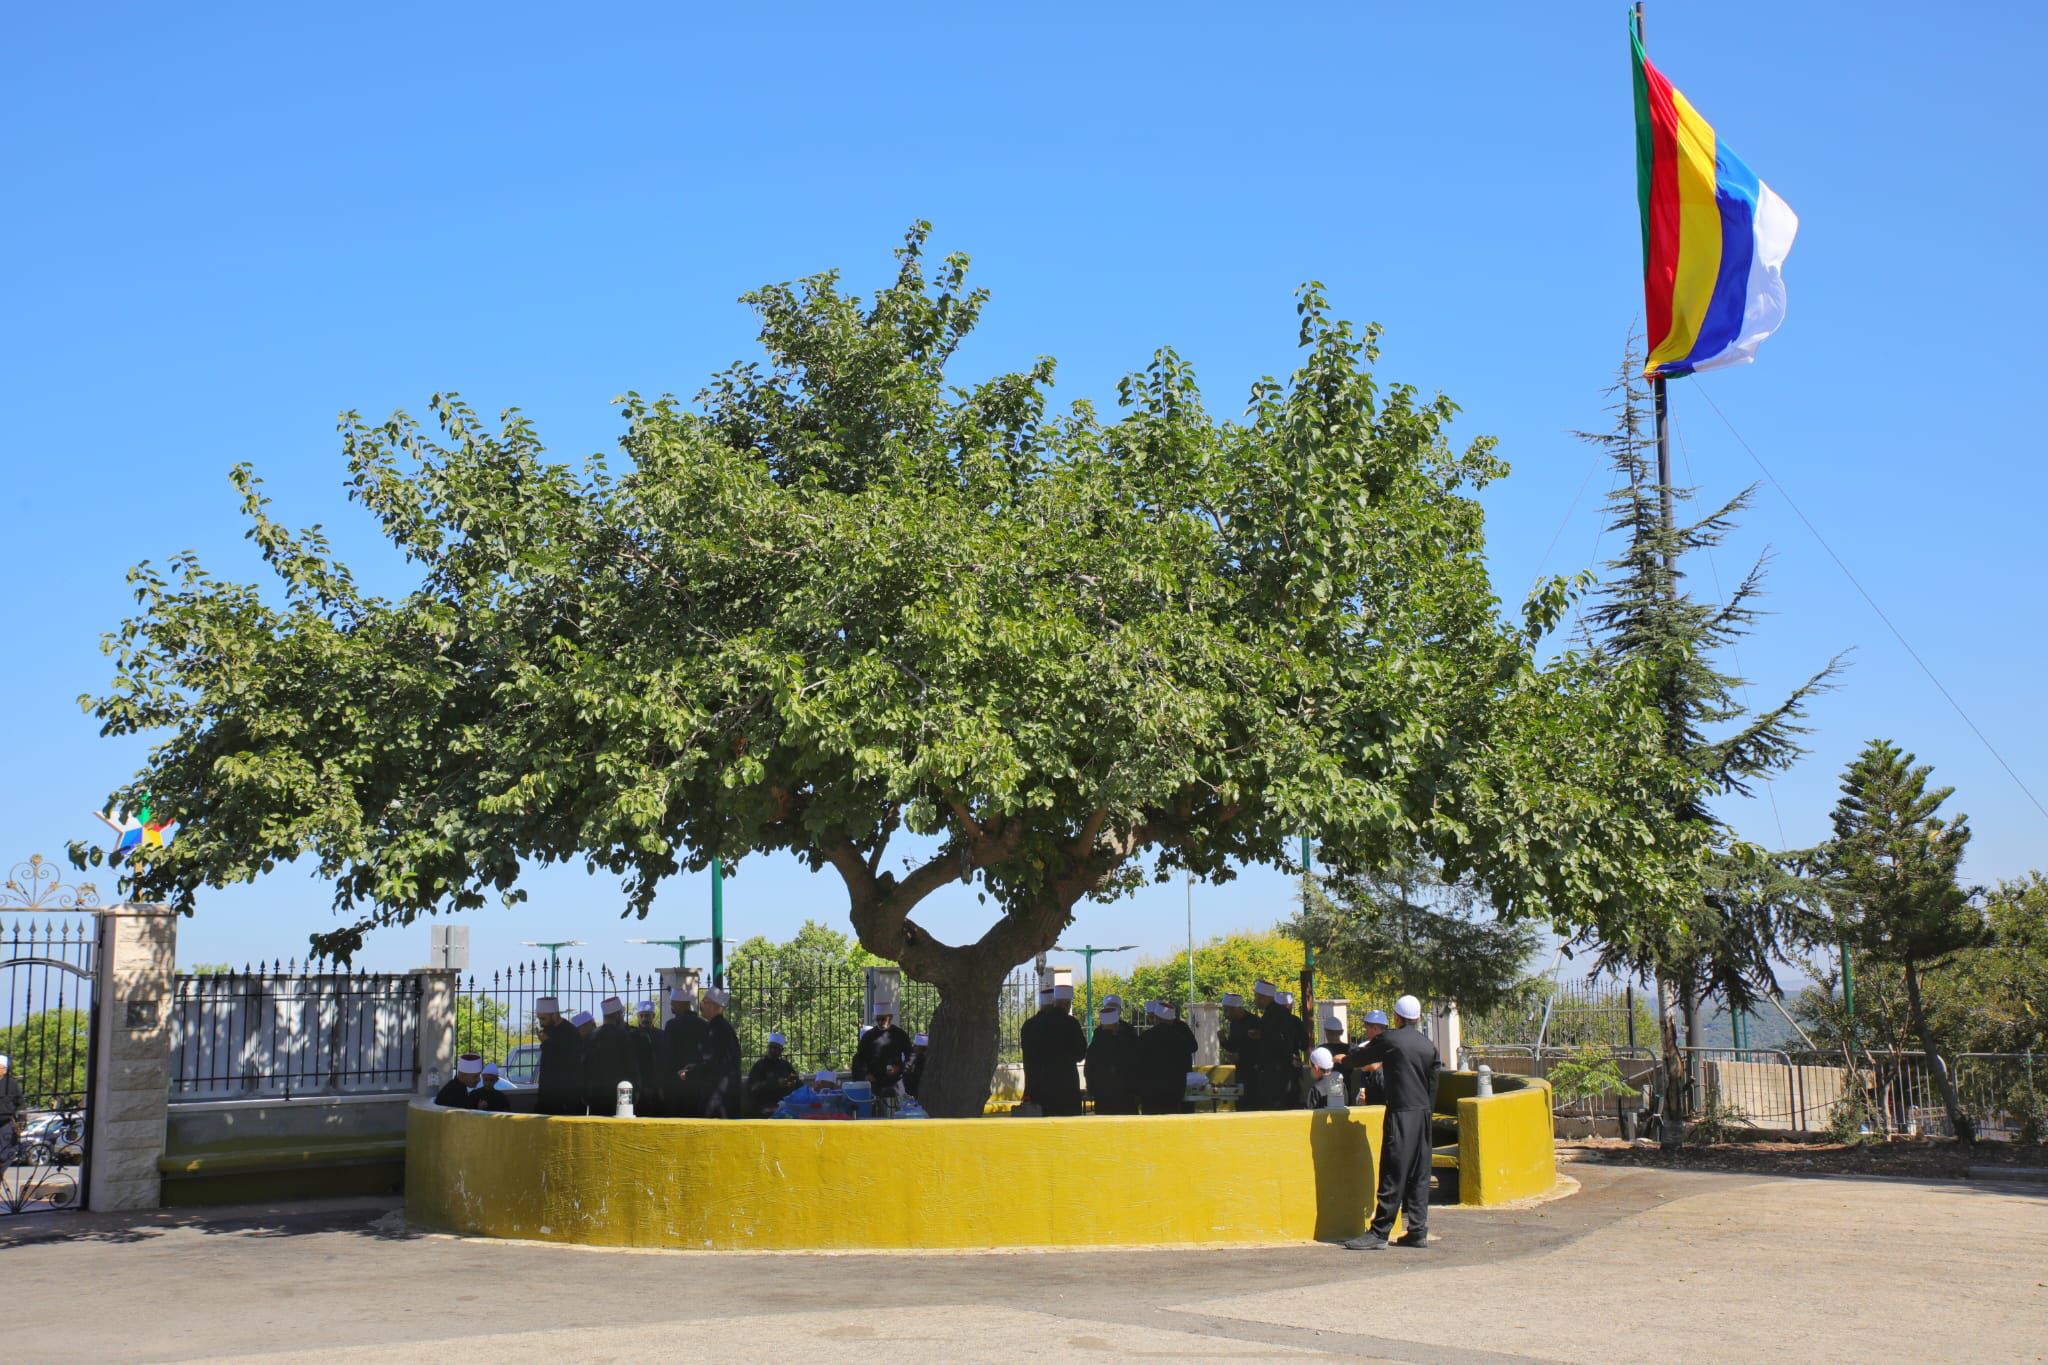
1283, 1033
913, 1072
768, 1081
455, 1095
712, 1089
612, 1060
881, 1057
684, 1033
1053, 1045
1165, 1052
1113, 1070
491, 1099
560, 1081
652, 1098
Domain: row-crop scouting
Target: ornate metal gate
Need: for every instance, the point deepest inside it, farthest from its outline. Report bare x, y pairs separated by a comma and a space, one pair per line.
48, 936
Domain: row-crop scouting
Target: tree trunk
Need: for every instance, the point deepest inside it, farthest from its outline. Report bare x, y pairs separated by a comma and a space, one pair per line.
965, 1044
1677, 1081
1958, 1122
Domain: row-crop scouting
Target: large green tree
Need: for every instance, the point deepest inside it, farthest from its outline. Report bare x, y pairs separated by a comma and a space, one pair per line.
1891, 874
1742, 906
849, 607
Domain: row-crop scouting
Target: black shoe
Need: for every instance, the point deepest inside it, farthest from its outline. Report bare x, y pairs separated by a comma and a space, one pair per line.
1367, 1241
1412, 1239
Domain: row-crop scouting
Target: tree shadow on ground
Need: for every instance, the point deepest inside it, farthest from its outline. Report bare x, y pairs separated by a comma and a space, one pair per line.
381, 1218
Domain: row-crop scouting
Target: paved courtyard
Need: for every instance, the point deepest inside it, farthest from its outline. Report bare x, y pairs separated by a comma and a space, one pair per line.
1637, 1263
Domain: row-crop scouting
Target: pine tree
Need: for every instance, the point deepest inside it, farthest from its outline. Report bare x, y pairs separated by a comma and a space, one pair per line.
1890, 872
1749, 902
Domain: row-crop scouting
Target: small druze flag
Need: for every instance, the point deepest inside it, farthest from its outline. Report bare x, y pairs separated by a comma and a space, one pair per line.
1714, 237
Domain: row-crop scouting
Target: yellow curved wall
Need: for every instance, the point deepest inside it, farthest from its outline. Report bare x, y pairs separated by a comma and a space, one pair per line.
1505, 1148
938, 1183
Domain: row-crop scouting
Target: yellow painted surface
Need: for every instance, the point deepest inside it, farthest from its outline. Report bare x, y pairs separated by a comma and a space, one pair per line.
1505, 1150
941, 1183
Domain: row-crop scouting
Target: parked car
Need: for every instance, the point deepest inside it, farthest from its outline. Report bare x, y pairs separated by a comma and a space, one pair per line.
52, 1140
521, 1066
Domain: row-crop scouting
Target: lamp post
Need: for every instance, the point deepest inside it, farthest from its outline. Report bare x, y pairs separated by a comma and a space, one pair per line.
554, 953
1088, 952
681, 945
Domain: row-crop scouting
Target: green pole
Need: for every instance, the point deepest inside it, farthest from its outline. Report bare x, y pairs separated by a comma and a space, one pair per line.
717, 923
1088, 986
1308, 968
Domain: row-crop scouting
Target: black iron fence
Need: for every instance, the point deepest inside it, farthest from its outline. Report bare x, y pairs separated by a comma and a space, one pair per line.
820, 1009
46, 968
494, 1014
293, 1030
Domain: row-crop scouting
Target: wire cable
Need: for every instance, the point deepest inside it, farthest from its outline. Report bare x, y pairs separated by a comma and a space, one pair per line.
1905, 644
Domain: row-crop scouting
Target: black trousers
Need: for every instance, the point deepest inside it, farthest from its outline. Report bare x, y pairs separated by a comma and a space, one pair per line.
1404, 1171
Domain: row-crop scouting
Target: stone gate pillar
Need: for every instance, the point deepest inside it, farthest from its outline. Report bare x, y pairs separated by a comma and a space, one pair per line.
1204, 1018
437, 1027
133, 968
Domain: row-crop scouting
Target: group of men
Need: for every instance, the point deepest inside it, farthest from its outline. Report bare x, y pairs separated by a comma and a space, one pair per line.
887, 1058
687, 1068
474, 1086
1128, 1072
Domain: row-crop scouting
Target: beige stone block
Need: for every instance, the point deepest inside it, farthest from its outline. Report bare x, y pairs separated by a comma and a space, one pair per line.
134, 1105
114, 1167
114, 1196
152, 1074
127, 1135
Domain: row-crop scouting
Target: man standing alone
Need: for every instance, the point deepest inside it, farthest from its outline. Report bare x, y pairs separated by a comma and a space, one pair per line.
1409, 1064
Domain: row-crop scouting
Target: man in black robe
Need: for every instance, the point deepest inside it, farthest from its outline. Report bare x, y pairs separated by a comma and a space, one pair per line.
1165, 1054
771, 1079
711, 1078
1054, 1046
487, 1094
13, 1112
883, 1052
1234, 1040
1410, 1065
1260, 1036
685, 1034
460, 1091
650, 1052
1113, 1063
1368, 1086
613, 1060
560, 1079
1284, 1036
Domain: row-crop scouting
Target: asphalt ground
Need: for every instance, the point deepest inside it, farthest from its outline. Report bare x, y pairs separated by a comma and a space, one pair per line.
1634, 1263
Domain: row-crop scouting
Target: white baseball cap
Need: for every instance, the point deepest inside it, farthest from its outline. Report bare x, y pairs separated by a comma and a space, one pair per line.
1408, 1007
1322, 1060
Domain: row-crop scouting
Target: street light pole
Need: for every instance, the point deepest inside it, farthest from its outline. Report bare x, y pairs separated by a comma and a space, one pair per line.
718, 923
681, 945
554, 953
1087, 952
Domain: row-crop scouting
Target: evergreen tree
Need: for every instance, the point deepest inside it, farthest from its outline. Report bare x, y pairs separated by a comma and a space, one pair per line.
1746, 902
1890, 872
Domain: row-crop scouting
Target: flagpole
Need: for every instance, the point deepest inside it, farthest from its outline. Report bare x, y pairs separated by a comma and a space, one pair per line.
1677, 1079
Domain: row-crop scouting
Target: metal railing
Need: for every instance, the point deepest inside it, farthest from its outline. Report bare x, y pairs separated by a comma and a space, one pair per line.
494, 1014
46, 972
290, 1031
818, 1007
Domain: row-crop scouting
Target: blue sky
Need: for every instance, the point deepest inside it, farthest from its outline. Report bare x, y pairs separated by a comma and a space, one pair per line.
231, 222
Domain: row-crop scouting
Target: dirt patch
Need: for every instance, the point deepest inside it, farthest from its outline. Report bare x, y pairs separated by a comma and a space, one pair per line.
1927, 1158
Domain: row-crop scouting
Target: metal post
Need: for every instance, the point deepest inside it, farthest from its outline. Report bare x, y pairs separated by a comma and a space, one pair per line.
717, 923
1191, 941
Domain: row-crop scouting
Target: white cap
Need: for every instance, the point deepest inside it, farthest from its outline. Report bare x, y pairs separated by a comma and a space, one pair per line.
1285, 1000
547, 1004
1151, 1009
470, 1064
778, 1040
581, 1017
1264, 988
1063, 992
1232, 1000
1045, 997
1321, 1060
644, 1007
718, 997
1330, 1019
5, 1060
682, 995
612, 1005
490, 1068
1111, 1014
921, 1040
825, 1078
1408, 1007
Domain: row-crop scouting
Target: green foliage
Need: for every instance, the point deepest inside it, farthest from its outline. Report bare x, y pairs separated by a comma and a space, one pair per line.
1408, 926
847, 596
1850, 1121
816, 946
210, 969
1717, 1123
47, 1054
1234, 962
1588, 1073
1741, 906
483, 1026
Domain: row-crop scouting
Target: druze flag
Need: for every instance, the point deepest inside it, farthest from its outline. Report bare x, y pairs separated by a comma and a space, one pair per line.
1714, 237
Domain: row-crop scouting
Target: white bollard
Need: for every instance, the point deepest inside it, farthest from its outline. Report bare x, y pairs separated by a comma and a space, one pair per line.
625, 1109
1485, 1085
